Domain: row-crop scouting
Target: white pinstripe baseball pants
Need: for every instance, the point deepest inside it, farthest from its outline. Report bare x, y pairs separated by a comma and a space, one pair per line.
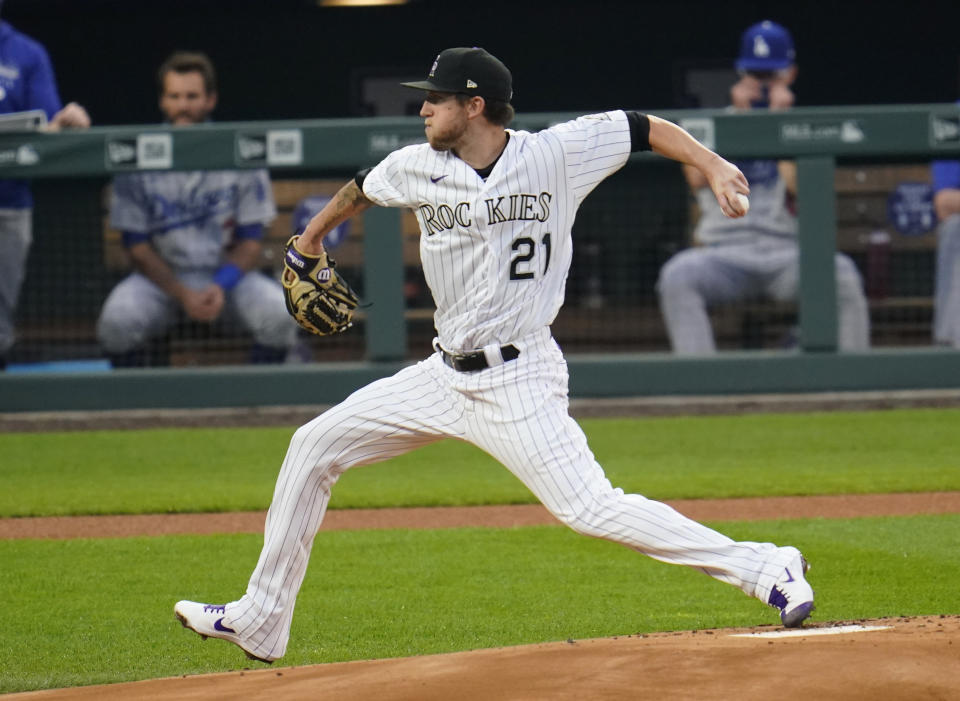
517, 412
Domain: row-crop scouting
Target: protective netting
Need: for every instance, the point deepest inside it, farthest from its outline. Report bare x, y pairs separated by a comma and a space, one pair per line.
624, 233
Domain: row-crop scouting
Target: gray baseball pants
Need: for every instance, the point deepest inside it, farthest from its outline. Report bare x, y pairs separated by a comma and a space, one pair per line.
946, 300
137, 310
16, 234
698, 278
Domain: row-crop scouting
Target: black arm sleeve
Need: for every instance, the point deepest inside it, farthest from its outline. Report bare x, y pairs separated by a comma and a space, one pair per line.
639, 131
362, 175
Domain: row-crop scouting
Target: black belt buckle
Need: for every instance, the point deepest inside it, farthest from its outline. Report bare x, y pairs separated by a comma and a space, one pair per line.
471, 362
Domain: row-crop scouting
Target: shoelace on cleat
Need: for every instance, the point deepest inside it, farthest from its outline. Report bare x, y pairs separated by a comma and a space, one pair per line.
778, 599
212, 608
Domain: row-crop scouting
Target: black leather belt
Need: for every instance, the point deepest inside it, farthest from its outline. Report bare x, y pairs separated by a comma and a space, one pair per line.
476, 361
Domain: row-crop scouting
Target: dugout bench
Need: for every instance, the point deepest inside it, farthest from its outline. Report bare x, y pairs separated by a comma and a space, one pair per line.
897, 269
899, 282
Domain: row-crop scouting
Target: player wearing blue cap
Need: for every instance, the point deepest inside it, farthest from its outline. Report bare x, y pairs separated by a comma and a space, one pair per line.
757, 255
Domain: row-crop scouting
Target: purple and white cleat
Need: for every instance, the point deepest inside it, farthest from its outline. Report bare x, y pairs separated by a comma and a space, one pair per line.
206, 620
792, 594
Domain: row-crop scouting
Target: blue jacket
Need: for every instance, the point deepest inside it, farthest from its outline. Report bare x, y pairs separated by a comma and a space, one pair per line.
26, 82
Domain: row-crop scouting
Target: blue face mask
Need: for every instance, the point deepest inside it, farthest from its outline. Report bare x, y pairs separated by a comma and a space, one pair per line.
764, 100
764, 77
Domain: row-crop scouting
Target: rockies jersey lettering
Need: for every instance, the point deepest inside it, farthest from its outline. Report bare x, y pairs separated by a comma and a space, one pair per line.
503, 275
523, 207
444, 217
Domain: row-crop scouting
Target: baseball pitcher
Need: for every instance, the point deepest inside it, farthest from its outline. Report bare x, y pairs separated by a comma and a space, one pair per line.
495, 208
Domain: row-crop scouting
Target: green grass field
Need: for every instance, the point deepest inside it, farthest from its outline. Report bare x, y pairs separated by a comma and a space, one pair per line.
96, 611
189, 470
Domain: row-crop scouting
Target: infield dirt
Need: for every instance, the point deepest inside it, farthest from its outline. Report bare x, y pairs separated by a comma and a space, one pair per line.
748, 509
907, 659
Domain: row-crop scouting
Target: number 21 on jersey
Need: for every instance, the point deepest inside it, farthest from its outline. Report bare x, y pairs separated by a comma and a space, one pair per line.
522, 265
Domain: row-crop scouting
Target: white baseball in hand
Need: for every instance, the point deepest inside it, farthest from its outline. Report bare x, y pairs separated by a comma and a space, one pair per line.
743, 202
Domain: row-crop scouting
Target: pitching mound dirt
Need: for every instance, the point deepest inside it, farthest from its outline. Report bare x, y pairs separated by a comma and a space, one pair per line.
891, 659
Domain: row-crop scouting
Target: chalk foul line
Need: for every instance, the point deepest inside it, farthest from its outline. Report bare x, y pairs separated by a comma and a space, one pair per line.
805, 632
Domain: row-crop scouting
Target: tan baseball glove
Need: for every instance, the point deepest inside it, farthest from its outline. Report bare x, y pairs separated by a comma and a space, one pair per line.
317, 296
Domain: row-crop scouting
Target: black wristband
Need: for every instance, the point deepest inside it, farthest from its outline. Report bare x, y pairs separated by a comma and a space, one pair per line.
639, 131
361, 176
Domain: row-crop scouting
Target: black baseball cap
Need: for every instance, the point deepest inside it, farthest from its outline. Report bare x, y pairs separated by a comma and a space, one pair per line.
468, 71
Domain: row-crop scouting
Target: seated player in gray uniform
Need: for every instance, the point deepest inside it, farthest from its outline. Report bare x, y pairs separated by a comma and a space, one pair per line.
194, 239
757, 255
946, 203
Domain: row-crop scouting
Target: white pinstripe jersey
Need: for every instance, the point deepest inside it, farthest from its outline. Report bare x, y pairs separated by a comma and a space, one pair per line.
496, 252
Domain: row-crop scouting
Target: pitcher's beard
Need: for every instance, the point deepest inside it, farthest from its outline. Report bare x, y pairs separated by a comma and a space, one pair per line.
447, 140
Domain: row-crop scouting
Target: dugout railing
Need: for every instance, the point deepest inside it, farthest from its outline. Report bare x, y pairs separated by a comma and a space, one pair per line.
837, 151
